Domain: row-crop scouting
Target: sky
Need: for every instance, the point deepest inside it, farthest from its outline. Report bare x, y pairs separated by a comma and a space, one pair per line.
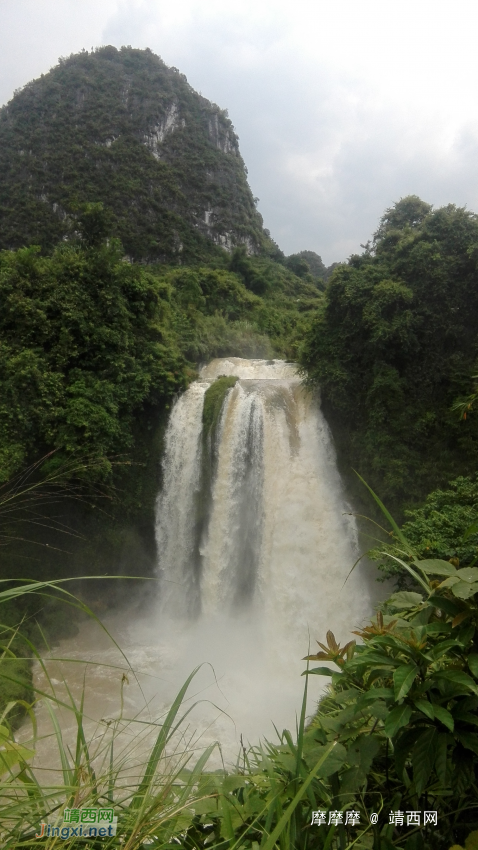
342, 107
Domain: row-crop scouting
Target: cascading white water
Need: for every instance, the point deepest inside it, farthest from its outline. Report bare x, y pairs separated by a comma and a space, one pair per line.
268, 563
255, 547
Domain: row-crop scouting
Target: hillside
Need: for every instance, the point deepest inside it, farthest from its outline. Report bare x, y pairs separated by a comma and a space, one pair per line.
394, 347
121, 128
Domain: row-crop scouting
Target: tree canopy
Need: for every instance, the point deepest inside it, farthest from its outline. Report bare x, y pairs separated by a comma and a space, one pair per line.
394, 345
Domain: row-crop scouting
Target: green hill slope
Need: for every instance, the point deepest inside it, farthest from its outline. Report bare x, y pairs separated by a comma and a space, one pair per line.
122, 128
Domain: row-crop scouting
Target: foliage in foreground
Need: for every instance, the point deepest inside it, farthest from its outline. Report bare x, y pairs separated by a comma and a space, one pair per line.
395, 732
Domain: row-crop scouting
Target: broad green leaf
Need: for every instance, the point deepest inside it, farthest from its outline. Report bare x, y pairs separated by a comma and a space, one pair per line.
403, 679
473, 664
444, 716
450, 581
405, 599
425, 707
423, 757
463, 590
436, 567
468, 574
398, 717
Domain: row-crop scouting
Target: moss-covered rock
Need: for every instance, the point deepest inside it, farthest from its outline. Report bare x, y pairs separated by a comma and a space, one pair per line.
213, 402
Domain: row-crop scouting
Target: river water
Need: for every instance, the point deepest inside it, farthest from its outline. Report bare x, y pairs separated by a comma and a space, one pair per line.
255, 548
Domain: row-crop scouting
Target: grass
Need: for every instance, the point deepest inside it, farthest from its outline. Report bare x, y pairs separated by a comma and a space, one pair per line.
170, 797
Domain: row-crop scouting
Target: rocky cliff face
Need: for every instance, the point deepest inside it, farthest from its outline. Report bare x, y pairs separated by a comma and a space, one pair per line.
122, 128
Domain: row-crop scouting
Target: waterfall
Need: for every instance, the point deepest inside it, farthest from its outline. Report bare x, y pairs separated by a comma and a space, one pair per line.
255, 538
255, 546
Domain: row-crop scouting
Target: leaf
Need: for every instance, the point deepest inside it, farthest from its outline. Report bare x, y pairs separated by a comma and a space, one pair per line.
442, 648
441, 759
444, 716
449, 582
398, 717
206, 806
425, 707
468, 574
278, 830
473, 664
436, 567
403, 679
423, 757
469, 740
333, 762
463, 590
402, 745
319, 671
230, 783
405, 599
373, 694
388, 515
465, 635
14, 754
445, 604
457, 677
472, 529
363, 751
352, 780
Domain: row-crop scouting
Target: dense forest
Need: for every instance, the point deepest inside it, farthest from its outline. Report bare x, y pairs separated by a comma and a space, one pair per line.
121, 128
131, 252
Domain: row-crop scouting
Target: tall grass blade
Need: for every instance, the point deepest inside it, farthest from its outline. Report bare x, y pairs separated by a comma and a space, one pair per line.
284, 820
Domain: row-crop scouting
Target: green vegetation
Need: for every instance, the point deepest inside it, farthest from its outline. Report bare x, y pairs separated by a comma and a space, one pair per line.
120, 188
393, 347
214, 400
121, 128
94, 349
444, 527
395, 732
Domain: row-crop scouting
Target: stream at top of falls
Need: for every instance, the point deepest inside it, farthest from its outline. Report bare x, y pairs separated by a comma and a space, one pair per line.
256, 544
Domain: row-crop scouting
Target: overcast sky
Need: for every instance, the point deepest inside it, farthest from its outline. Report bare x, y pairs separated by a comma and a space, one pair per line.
341, 106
